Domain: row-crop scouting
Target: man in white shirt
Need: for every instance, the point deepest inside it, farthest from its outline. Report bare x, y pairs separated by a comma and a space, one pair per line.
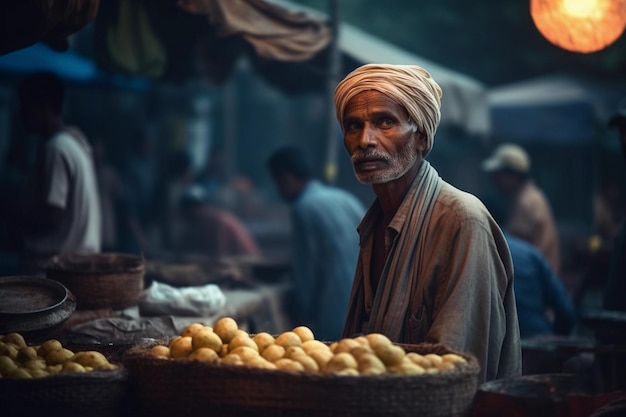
64, 215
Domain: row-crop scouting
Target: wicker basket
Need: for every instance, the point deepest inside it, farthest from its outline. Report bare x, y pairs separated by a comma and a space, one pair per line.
189, 388
103, 280
93, 394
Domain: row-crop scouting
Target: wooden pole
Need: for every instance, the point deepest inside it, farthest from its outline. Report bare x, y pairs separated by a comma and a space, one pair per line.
332, 78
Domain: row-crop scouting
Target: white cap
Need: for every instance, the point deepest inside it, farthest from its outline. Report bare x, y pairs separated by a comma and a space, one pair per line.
507, 156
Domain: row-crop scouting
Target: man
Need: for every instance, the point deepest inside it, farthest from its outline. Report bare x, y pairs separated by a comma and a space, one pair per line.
434, 265
543, 305
64, 216
325, 245
530, 214
616, 281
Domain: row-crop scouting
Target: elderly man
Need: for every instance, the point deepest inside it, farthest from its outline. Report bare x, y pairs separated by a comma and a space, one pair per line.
434, 266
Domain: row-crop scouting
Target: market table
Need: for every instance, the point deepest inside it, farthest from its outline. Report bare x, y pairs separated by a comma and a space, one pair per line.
260, 307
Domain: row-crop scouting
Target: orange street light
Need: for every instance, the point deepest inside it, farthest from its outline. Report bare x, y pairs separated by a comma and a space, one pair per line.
580, 25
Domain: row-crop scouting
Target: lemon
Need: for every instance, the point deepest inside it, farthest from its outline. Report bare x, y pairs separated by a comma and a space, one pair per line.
273, 353
204, 354
308, 363
58, 357
231, 359
226, 328
418, 359
35, 364
263, 340
181, 347
370, 361
160, 351
289, 365
26, 353
340, 361
434, 359
72, 367
49, 346
377, 339
90, 358
190, 329
390, 354
311, 345
454, 358
245, 352
304, 333
345, 345
206, 338
294, 351
321, 356
288, 339
14, 338
241, 339
7, 365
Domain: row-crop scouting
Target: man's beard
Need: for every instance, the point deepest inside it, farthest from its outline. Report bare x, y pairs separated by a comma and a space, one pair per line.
396, 166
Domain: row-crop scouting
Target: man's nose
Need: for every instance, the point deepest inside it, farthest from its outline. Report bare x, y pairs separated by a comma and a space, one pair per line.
367, 137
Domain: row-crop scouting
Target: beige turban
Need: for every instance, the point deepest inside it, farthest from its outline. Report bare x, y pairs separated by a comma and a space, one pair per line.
409, 85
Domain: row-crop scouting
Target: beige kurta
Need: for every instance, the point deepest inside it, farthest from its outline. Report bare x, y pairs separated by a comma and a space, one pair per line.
531, 219
456, 274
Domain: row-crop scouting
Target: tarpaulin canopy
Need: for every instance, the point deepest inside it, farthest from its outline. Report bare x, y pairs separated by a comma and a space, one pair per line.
67, 65
553, 109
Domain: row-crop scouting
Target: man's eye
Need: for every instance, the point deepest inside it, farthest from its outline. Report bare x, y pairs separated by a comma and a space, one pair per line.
352, 126
385, 122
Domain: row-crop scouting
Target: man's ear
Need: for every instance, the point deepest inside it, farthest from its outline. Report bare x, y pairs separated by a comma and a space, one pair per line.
421, 143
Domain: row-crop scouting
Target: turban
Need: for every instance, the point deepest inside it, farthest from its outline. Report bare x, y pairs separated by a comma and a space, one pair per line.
408, 85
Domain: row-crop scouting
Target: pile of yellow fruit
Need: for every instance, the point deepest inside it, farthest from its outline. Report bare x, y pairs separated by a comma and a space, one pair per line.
19, 360
298, 350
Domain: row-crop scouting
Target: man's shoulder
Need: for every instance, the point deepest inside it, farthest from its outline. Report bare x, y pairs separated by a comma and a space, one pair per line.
458, 201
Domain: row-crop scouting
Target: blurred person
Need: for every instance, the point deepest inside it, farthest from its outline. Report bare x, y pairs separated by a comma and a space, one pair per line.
543, 305
325, 245
615, 289
64, 216
434, 266
530, 214
211, 230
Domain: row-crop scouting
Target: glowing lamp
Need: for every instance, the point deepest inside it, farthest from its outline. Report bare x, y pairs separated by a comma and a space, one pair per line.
580, 25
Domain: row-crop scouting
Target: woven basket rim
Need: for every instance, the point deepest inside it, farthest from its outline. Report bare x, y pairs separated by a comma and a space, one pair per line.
141, 353
100, 376
105, 263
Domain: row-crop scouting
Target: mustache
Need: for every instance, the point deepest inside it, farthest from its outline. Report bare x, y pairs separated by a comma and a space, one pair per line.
360, 156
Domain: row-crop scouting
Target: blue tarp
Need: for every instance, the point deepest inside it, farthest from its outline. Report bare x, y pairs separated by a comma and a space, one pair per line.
67, 65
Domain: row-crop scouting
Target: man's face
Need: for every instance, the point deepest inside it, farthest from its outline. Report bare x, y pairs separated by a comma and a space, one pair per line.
381, 142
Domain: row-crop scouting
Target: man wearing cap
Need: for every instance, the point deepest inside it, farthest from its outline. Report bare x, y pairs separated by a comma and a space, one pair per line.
434, 266
530, 214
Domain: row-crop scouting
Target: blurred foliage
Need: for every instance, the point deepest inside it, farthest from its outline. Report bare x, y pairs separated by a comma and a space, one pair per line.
495, 41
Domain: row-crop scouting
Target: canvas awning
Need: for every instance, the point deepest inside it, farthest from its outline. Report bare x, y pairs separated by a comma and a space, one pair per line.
557, 108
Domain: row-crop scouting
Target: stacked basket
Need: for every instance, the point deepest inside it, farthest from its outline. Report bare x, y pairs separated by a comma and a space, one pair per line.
102, 280
185, 387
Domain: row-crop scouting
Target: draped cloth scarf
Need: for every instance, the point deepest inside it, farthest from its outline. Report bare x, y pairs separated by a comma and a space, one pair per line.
399, 280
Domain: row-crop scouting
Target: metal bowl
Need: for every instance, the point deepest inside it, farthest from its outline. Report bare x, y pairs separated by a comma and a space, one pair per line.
34, 306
